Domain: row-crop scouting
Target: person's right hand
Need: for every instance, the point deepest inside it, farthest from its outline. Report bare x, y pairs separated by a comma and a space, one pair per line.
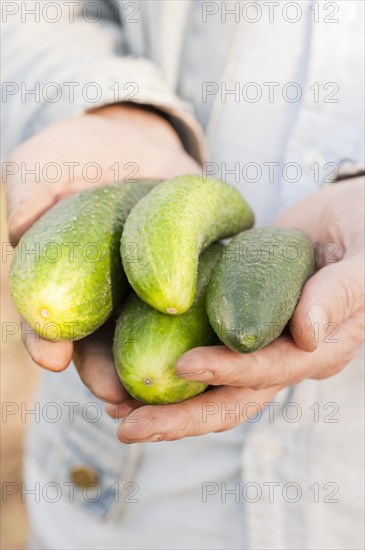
143, 145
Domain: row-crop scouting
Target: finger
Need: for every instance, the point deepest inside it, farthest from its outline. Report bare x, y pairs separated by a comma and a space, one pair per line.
29, 195
120, 410
219, 365
332, 295
281, 362
94, 361
349, 336
216, 410
330, 225
25, 206
53, 356
309, 223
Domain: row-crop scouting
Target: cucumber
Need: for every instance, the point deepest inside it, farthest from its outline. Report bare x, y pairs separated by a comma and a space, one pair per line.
66, 275
255, 286
165, 233
148, 343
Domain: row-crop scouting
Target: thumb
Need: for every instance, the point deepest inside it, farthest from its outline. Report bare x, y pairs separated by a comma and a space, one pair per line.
329, 297
53, 356
26, 203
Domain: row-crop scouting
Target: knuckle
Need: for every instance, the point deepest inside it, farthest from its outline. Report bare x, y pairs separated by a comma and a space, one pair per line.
348, 355
337, 366
257, 372
183, 426
105, 389
347, 296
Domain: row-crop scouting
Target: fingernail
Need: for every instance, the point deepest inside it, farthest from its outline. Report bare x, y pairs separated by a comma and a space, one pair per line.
154, 437
117, 408
26, 212
201, 375
318, 320
182, 366
150, 439
137, 430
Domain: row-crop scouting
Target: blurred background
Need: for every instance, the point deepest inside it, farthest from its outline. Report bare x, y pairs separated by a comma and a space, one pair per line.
19, 377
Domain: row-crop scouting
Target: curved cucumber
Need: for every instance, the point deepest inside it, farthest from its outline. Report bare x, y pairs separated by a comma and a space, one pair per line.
66, 275
165, 233
255, 286
148, 343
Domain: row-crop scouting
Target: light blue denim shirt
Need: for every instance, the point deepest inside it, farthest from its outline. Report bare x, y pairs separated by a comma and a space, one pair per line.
277, 91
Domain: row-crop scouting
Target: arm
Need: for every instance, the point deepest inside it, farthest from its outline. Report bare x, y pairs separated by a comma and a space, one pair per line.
120, 132
77, 63
41, 132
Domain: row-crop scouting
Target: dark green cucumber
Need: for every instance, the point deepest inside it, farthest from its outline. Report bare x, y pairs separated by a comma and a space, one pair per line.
166, 232
255, 286
66, 276
148, 343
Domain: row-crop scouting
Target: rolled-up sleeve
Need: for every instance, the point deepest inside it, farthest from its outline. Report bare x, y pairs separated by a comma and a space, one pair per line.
71, 58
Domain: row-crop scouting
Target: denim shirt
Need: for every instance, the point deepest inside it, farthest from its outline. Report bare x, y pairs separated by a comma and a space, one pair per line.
272, 102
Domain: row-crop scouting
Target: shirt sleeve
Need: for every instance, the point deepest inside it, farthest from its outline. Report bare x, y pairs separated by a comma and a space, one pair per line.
71, 58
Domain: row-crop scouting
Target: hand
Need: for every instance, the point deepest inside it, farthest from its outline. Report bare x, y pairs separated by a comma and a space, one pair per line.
118, 134
325, 332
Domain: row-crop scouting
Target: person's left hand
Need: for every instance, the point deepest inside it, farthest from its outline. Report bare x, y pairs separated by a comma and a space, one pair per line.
325, 332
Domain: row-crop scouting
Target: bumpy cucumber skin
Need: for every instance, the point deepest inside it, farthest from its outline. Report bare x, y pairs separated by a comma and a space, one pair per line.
250, 302
169, 229
148, 343
70, 287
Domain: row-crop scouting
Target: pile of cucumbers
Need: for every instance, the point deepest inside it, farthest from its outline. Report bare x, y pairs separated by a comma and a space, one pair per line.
75, 267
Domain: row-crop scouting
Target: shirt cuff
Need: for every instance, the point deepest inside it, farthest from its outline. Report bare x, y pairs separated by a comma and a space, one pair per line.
126, 80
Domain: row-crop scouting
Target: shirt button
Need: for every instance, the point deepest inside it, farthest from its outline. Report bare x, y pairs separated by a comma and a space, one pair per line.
84, 475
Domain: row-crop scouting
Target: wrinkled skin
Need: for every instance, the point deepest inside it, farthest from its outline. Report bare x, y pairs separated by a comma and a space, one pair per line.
332, 298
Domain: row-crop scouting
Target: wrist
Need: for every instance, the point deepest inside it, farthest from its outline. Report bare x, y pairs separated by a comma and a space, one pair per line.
142, 118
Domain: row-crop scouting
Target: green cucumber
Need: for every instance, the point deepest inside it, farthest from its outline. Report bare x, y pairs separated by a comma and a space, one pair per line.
166, 232
148, 343
66, 275
255, 286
